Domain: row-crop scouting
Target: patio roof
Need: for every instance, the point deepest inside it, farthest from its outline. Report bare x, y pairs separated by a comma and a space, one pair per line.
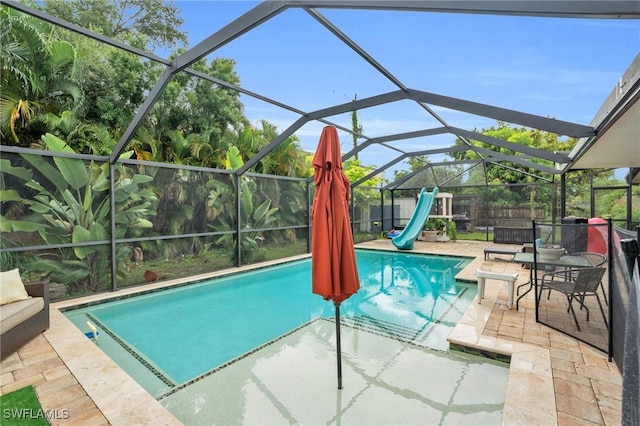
609, 141
617, 140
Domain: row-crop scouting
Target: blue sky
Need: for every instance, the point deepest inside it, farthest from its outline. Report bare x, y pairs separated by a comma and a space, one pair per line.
561, 68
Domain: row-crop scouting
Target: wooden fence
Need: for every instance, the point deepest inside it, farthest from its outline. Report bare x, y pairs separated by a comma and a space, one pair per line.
478, 214
509, 216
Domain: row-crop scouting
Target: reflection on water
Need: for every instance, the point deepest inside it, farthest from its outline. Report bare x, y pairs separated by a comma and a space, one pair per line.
385, 382
404, 294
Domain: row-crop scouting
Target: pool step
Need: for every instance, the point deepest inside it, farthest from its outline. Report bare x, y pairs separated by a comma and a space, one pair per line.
416, 336
385, 328
141, 359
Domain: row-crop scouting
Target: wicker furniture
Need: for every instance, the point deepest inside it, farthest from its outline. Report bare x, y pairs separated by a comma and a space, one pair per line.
23, 320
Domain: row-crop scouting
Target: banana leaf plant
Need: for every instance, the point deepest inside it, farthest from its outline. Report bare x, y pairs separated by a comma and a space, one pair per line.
69, 203
263, 216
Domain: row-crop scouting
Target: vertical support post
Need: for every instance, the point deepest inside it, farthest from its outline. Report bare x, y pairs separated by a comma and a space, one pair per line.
534, 271
563, 195
486, 209
238, 224
554, 201
381, 210
338, 345
393, 215
629, 201
112, 207
592, 201
353, 210
610, 285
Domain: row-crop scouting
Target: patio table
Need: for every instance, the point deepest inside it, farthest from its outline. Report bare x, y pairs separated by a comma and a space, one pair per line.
566, 262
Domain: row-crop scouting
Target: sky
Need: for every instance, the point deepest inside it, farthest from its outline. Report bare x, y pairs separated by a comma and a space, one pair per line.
554, 67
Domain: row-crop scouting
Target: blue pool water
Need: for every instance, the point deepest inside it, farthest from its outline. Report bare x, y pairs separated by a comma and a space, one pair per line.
182, 333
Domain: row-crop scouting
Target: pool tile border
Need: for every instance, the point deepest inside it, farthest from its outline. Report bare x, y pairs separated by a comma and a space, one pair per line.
163, 377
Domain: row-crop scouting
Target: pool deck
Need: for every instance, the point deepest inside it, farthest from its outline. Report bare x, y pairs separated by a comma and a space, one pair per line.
553, 378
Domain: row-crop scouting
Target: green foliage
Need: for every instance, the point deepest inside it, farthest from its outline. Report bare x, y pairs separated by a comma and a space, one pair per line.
429, 176
119, 82
355, 171
81, 137
415, 163
37, 77
158, 22
10, 260
433, 224
286, 159
251, 217
502, 181
609, 203
70, 204
436, 224
452, 231
442, 226
193, 105
188, 125
515, 173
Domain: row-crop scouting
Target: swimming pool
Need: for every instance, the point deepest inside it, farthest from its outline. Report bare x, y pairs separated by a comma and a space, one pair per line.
171, 337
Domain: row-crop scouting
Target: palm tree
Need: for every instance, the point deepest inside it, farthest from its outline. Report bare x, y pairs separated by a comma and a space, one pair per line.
288, 158
36, 77
81, 137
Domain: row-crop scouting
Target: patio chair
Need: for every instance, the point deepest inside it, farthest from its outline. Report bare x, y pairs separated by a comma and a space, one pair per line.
575, 284
596, 260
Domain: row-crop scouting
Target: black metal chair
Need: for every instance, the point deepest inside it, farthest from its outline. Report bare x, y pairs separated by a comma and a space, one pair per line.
575, 284
596, 260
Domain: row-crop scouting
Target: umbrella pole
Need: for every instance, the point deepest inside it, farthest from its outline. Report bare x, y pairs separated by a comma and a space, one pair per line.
338, 348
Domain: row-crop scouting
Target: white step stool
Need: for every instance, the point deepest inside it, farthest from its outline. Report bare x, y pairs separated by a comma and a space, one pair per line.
509, 278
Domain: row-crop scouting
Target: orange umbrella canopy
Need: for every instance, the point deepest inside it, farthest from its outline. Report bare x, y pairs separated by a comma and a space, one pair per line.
333, 260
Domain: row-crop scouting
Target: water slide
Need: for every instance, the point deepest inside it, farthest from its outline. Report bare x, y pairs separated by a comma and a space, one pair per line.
404, 241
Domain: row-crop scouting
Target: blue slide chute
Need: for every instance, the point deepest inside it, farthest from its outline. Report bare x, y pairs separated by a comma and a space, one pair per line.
405, 240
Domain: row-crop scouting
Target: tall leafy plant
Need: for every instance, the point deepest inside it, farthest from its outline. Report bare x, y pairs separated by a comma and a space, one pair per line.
69, 202
251, 217
37, 77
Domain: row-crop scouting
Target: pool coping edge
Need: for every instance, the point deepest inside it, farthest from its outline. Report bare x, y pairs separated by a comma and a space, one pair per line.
530, 397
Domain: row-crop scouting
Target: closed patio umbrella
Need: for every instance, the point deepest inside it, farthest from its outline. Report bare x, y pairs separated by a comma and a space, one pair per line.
333, 260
